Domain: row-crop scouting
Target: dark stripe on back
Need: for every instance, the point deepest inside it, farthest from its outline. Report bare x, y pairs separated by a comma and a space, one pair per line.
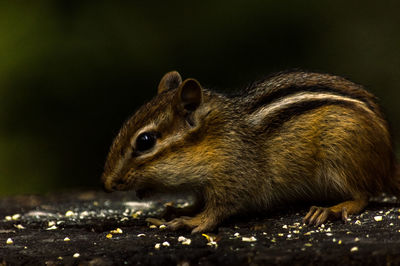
291, 90
275, 120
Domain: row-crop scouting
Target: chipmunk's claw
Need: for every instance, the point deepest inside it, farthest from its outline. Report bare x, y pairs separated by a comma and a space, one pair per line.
319, 215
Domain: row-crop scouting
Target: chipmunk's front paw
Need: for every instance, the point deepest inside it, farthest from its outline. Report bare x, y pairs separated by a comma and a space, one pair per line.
319, 215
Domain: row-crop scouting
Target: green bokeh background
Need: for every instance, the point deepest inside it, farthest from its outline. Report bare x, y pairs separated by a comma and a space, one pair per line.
72, 71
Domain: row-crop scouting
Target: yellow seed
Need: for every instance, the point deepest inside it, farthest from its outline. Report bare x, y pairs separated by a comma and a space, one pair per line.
207, 237
116, 231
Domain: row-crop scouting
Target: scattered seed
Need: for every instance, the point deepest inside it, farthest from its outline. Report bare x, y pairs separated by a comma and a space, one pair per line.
123, 219
378, 218
76, 255
69, 214
136, 214
187, 242
356, 239
116, 231
152, 226
67, 239
184, 240
51, 223
52, 228
284, 226
141, 235
308, 244
163, 226
329, 234
236, 235
249, 239
9, 241
354, 249
358, 222
19, 226
157, 246
212, 244
181, 239
209, 238
166, 244
8, 218
109, 236
16, 216
340, 242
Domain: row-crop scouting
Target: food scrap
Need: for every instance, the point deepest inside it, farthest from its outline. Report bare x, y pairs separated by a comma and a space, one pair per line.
249, 239
116, 231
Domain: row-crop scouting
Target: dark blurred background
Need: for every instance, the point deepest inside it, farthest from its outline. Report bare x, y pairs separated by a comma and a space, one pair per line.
72, 71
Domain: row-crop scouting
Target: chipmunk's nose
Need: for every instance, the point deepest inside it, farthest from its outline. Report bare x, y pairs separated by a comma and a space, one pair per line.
107, 188
108, 184
117, 184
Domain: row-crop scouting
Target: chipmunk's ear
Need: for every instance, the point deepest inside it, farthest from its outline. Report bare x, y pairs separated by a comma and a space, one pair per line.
189, 95
171, 80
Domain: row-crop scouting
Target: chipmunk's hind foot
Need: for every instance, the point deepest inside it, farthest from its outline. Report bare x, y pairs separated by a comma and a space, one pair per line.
319, 215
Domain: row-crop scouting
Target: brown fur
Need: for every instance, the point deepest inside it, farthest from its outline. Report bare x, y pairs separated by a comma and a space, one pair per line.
235, 155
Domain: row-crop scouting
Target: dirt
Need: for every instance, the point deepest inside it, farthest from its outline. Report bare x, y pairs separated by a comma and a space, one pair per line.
75, 228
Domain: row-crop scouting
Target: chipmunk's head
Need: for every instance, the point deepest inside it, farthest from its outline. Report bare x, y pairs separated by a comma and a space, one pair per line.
148, 151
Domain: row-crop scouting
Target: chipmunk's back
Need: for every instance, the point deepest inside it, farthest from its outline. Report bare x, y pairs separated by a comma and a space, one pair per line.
323, 138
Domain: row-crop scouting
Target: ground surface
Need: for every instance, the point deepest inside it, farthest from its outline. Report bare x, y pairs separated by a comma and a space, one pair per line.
74, 228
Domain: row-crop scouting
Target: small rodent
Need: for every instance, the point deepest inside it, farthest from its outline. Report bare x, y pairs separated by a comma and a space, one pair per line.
294, 137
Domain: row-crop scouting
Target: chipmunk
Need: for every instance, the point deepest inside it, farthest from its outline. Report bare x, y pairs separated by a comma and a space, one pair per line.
294, 137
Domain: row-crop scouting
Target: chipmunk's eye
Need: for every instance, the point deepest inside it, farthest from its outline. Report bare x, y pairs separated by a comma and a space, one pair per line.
146, 141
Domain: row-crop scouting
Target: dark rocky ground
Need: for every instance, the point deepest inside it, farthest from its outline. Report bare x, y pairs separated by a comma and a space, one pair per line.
36, 228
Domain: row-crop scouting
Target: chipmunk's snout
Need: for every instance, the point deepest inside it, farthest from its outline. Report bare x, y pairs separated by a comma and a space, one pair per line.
111, 185
107, 188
